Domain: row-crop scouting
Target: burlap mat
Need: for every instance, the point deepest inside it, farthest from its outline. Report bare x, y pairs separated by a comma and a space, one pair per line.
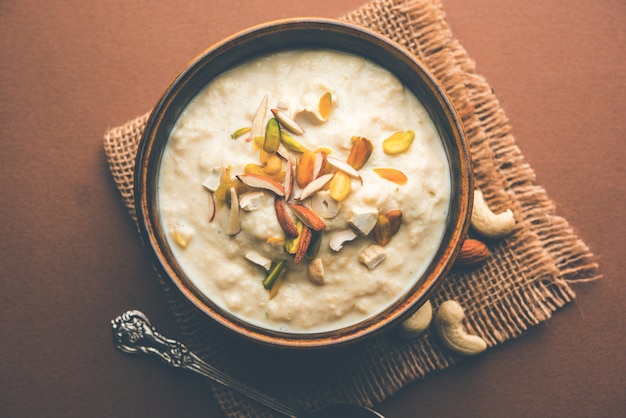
525, 281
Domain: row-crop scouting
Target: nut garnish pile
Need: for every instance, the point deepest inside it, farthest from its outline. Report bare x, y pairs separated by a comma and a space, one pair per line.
308, 187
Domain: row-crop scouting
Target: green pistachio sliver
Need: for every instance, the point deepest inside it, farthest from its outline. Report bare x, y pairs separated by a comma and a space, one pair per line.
272, 136
275, 272
290, 143
240, 132
291, 244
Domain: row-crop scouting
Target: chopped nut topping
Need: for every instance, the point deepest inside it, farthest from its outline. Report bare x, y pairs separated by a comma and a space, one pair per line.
288, 122
392, 174
340, 186
315, 271
325, 105
240, 132
398, 142
387, 226
338, 239
272, 136
371, 256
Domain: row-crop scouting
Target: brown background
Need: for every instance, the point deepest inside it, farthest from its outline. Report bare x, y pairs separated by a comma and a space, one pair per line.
71, 261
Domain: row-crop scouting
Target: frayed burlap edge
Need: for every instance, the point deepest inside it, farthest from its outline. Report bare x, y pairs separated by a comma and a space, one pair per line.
525, 281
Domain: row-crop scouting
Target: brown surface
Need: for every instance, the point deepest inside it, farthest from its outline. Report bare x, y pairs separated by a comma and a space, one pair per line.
71, 260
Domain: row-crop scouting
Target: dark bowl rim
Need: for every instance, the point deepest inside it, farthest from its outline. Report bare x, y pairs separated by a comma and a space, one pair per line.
400, 310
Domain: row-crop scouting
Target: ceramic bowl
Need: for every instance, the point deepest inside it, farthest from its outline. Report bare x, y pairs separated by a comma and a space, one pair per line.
303, 33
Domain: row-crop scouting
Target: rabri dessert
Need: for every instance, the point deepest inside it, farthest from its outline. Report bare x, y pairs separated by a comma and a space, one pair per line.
304, 191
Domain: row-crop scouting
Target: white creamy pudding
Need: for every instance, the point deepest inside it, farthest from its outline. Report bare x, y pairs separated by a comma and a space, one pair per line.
304, 191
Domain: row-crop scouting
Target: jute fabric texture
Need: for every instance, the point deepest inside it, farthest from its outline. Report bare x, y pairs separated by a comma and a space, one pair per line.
527, 278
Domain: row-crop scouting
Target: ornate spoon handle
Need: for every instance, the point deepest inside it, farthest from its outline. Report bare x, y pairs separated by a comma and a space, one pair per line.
133, 333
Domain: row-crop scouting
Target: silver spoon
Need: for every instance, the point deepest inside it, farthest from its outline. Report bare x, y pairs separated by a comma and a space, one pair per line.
133, 333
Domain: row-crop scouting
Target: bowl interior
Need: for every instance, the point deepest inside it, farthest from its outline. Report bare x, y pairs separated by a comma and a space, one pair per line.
303, 34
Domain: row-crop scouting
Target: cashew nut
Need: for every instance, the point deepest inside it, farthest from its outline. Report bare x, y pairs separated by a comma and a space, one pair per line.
213, 180
418, 322
363, 220
339, 238
487, 223
315, 271
324, 204
372, 255
449, 326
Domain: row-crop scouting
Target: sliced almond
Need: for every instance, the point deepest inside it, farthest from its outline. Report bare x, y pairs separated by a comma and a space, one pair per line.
319, 165
392, 175
234, 224
339, 238
303, 244
259, 260
288, 122
290, 175
284, 220
260, 182
308, 217
315, 186
283, 152
258, 122
345, 167
251, 201
398, 142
